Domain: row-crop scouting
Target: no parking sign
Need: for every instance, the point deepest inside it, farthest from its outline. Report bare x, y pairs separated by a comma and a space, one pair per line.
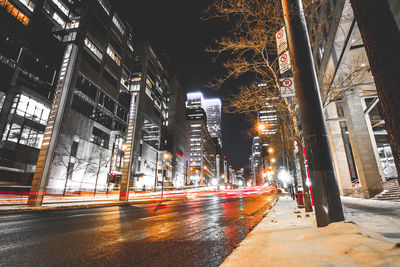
287, 87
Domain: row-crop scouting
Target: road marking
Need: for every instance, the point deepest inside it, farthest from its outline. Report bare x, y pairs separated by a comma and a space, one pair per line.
158, 216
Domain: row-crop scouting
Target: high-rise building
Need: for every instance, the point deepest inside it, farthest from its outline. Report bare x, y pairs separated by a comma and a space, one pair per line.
213, 110
82, 104
255, 160
200, 150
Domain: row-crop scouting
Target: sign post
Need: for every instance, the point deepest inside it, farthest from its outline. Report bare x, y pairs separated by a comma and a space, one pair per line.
287, 87
284, 62
281, 40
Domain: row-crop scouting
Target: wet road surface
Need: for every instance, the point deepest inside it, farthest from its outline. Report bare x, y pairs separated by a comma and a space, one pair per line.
193, 232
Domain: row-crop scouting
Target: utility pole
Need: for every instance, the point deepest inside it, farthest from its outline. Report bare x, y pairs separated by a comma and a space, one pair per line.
328, 207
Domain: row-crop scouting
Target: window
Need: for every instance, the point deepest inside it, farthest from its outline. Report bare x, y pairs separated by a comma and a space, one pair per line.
23, 135
12, 132
61, 6
86, 87
15, 12
111, 52
100, 138
89, 44
29, 108
58, 19
82, 106
28, 4
122, 113
106, 102
69, 37
105, 5
2, 99
103, 117
73, 24
74, 149
117, 22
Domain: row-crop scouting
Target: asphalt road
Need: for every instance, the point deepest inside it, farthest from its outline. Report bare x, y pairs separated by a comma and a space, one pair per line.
194, 232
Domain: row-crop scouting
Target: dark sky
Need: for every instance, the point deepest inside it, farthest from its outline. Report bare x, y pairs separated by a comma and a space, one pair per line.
174, 27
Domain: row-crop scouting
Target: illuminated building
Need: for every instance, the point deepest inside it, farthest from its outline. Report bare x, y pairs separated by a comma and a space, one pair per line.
213, 111
200, 150
30, 59
77, 90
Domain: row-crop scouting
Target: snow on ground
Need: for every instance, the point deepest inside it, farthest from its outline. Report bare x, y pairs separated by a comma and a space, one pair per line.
376, 216
286, 237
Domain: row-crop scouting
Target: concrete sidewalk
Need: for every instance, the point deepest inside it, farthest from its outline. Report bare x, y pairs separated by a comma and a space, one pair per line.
289, 237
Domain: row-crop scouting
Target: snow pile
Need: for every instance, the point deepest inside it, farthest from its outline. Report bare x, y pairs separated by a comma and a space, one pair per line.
286, 237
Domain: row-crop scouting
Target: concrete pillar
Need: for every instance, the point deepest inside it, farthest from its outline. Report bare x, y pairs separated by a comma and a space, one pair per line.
363, 145
338, 151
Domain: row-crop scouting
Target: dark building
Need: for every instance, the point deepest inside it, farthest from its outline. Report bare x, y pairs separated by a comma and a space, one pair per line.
359, 143
176, 125
30, 59
81, 102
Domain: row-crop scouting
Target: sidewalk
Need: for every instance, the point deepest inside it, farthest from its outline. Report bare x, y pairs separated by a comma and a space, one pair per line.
286, 237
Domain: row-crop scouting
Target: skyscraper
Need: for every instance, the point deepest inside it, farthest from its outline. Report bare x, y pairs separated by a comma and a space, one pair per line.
213, 110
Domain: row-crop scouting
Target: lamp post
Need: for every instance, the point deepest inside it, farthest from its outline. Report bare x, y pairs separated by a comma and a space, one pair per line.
328, 207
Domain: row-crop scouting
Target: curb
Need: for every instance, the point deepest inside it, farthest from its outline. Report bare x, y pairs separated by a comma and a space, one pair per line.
74, 207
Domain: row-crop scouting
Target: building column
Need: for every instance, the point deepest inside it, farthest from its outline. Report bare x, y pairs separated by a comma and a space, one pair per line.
338, 151
363, 145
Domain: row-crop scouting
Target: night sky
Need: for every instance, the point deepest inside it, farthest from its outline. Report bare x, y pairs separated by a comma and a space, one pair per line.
175, 28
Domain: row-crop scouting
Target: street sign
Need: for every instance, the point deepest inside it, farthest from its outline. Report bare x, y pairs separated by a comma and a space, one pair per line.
287, 87
284, 62
281, 40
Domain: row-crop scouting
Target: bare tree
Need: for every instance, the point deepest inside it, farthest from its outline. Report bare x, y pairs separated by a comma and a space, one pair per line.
251, 48
66, 157
101, 157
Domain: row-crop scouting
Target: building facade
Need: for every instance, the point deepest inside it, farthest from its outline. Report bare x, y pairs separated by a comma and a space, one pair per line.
359, 143
200, 149
213, 110
81, 101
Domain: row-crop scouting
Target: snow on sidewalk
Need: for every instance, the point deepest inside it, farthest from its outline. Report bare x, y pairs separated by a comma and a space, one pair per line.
376, 216
286, 237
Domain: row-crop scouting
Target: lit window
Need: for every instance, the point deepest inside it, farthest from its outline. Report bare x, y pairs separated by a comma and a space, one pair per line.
118, 24
149, 83
93, 48
130, 46
59, 20
29, 5
30, 109
15, 12
61, 6
111, 52
105, 6
73, 24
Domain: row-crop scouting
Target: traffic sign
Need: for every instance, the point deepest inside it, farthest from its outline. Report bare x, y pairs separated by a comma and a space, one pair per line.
284, 62
287, 87
281, 40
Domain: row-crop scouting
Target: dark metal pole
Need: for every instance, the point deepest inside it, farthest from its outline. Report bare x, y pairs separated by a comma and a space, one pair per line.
156, 173
162, 186
328, 207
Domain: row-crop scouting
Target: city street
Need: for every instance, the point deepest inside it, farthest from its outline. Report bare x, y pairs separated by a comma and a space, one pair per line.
198, 231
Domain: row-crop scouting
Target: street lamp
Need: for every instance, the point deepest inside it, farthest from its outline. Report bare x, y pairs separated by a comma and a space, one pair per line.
270, 150
261, 126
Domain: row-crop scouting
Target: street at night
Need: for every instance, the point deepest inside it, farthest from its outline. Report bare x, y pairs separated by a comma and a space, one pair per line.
226, 133
194, 232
